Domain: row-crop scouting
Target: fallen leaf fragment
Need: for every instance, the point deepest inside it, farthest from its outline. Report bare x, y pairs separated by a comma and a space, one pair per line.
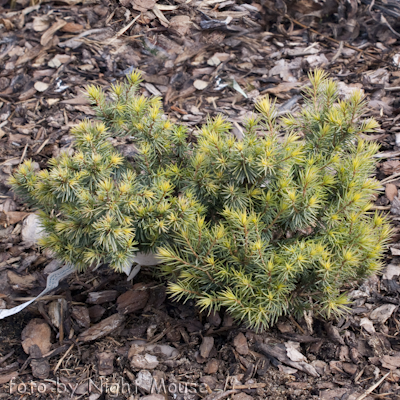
141, 347
146, 259
396, 59
286, 370
41, 73
166, 7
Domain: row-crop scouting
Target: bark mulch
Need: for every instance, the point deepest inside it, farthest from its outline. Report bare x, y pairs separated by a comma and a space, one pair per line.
99, 336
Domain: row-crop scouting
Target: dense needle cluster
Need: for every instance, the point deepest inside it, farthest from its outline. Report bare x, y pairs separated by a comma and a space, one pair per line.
275, 223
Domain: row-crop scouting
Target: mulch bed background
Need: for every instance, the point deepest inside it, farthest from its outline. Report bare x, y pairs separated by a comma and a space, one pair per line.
98, 330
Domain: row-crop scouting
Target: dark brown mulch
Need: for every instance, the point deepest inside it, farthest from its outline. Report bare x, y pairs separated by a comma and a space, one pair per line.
98, 330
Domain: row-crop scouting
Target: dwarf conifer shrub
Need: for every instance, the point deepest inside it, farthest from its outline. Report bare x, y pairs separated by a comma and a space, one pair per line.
275, 223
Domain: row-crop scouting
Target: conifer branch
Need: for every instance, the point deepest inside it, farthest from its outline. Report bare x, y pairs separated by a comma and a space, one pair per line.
261, 226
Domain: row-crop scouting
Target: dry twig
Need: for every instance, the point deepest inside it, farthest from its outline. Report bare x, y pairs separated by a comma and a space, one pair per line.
373, 387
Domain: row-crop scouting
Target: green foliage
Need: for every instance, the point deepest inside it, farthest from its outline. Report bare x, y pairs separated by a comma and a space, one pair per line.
95, 207
276, 223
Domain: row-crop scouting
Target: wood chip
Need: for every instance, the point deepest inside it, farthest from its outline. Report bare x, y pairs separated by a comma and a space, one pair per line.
280, 353
199, 84
12, 217
37, 332
48, 35
41, 23
8, 377
240, 343
133, 300
103, 328
206, 346
181, 24
391, 191
21, 282
160, 16
102, 297
41, 86
143, 5
105, 362
72, 27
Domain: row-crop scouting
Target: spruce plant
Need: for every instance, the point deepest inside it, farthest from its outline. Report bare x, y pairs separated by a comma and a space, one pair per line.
276, 223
